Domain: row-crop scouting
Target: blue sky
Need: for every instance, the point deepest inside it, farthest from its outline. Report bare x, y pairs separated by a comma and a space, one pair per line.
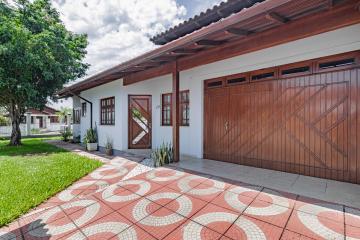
196, 6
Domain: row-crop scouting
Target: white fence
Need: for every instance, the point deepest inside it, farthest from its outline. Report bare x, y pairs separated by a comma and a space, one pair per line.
5, 131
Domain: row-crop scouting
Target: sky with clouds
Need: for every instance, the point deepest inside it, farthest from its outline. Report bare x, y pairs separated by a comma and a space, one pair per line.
119, 30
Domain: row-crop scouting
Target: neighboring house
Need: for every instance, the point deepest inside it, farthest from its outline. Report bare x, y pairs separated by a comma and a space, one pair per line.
41, 121
273, 84
46, 119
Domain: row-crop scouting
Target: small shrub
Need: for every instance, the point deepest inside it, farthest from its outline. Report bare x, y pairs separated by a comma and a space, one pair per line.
163, 155
66, 134
109, 143
76, 139
4, 121
90, 136
35, 131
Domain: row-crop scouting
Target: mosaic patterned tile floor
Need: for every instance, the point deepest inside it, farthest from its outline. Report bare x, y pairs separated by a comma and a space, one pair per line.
123, 200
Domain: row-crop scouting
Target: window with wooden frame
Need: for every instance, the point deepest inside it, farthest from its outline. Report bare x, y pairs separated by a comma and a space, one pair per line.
107, 111
337, 62
166, 119
83, 109
54, 119
184, 105
76, 116
263, 74
185, 108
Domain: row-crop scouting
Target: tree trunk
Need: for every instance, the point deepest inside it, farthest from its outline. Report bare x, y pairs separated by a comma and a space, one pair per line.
15, 115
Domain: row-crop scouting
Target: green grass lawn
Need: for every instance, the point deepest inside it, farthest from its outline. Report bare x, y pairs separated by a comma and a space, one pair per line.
34, 172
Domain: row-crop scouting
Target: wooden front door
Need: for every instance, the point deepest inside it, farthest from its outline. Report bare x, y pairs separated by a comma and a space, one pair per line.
41, 123
216, 115
305, 125
139, 122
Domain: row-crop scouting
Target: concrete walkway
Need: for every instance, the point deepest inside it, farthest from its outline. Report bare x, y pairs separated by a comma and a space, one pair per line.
327, 190
127, 200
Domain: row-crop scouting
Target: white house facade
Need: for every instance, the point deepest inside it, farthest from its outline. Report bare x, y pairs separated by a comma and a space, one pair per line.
323, 54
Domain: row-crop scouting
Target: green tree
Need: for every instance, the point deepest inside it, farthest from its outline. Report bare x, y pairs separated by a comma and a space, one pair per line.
64, 113
38, 55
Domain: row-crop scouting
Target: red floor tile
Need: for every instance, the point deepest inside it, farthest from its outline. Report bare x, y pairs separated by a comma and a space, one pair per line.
204, 192
216, 218
288, 235
161, 222
104, 228
186, 205
164, 176
186, 183
277, 197
250, 228
42, 229
225, 238
163, 196
245, 189
139, 209
314, 226
268, 212
194, 231
90, 214
232, 201
317, 207
217, 183
352, 232
134, 232
120, 200
352, 217
78, 204
12, 231
34, 220
109, 173
140, 187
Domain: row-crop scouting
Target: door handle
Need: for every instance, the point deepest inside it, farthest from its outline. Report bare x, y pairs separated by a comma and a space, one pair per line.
226, 126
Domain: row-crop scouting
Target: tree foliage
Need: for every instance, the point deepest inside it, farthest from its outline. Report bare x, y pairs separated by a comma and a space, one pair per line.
38, 55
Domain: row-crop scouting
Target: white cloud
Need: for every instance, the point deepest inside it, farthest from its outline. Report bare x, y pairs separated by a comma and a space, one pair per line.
201, 5
118, 30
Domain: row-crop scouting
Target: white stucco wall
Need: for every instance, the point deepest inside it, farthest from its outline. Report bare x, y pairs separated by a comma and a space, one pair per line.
191, 138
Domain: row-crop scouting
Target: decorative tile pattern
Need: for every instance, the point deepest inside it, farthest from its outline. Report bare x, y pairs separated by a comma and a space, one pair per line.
123, 200
164, 175
216, 218
249, 228
161, 222
268, 212
105, 228
314, 226
193, 231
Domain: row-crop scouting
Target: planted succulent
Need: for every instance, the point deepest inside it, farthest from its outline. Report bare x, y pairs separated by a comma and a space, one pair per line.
66, 134
90, 139
163, 155
109, 147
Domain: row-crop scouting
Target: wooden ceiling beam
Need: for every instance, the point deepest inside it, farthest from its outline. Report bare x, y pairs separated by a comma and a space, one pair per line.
185, 51
209, 43
164, 59
357, 6
238, 31
150, 64
275, 17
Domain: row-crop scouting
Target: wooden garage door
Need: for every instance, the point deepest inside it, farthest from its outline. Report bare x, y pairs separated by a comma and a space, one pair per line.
307, 125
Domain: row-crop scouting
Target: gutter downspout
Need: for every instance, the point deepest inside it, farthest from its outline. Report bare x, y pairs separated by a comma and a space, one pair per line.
91, 107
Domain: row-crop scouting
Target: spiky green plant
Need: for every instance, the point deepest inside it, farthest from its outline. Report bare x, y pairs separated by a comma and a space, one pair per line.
163, 155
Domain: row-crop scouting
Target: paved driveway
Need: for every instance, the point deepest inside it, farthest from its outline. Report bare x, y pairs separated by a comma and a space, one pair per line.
125, 200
